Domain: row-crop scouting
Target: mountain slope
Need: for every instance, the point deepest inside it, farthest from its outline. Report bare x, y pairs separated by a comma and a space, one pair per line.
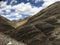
40, 29
5, 24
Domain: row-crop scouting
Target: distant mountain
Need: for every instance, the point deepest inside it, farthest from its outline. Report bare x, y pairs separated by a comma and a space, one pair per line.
40, 29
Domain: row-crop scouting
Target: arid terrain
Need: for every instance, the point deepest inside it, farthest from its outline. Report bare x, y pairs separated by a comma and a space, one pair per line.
41, 29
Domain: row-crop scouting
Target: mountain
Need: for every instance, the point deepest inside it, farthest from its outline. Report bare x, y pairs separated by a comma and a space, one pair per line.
5, 24
40, 29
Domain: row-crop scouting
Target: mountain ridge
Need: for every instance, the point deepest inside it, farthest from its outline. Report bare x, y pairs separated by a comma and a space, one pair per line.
42, 28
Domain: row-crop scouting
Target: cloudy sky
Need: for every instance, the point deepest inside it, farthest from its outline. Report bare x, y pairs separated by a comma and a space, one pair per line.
19, 9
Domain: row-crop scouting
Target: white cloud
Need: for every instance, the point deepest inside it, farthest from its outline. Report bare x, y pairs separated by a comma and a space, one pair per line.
15, 1
36, 1
19, 9
23, 9
27, 0
49, 2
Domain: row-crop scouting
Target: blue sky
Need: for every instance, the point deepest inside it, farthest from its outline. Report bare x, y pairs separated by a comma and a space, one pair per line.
32, 2
19, 9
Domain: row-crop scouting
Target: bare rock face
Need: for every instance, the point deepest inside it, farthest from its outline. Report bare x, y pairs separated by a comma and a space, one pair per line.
40, 29
6, 40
